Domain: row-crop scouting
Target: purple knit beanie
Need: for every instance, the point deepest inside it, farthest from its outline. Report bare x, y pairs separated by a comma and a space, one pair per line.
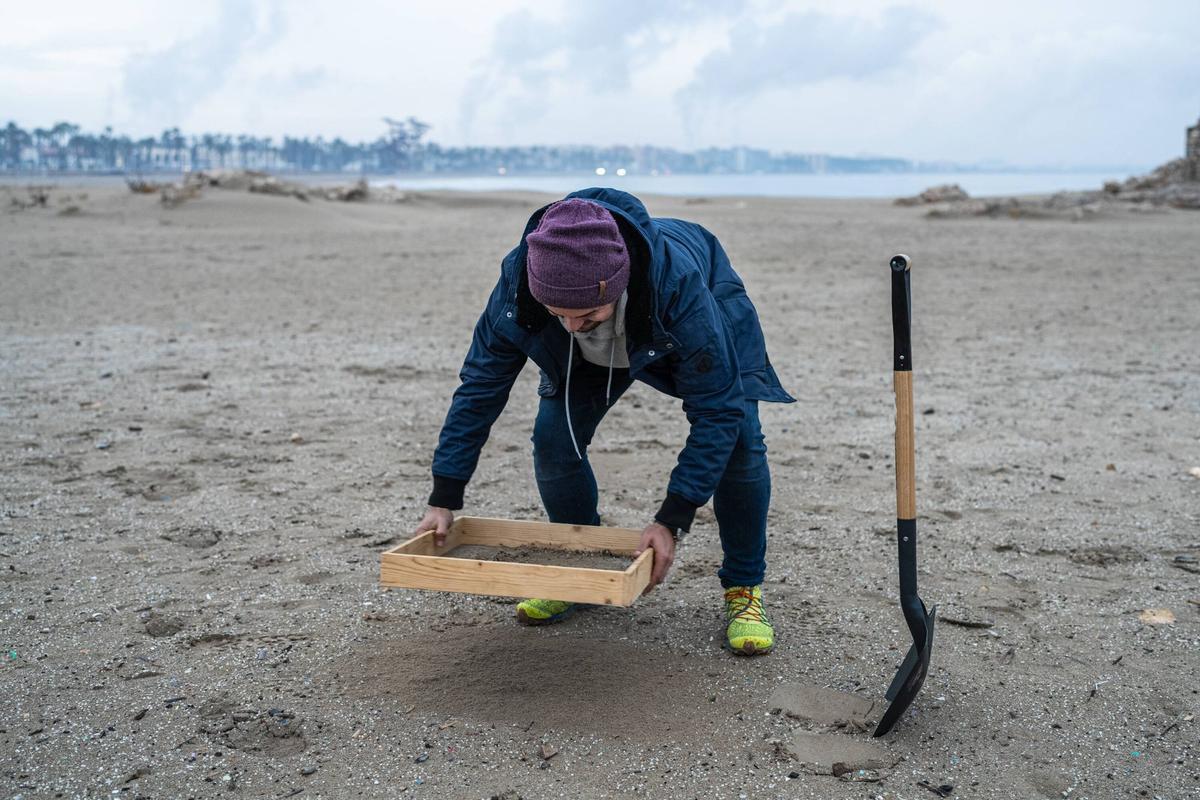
577, 257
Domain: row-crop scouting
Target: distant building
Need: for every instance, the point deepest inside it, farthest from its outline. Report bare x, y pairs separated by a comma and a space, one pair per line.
1192, 152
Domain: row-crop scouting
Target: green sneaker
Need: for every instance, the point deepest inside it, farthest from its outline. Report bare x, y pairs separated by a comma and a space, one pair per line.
543, 612
749, 633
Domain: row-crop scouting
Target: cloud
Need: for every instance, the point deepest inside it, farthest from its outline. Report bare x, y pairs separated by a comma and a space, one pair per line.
797, 50
295, 81
596, 46
1104, 94
167, 82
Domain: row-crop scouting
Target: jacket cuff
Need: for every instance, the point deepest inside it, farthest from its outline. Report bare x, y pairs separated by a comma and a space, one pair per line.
447, 492
676, 512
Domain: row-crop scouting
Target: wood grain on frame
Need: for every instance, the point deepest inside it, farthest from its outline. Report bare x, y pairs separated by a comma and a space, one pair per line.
420, 564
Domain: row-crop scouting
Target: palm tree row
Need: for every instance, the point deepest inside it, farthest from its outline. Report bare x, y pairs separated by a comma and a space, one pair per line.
66, 148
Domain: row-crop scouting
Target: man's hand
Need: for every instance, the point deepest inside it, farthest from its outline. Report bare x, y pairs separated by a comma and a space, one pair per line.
438, 520
660, 540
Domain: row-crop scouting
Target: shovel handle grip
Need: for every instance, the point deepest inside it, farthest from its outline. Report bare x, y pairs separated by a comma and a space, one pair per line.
906, 496
901, 312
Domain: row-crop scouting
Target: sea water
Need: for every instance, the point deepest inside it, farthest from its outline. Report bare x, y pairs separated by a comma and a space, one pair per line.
977, 184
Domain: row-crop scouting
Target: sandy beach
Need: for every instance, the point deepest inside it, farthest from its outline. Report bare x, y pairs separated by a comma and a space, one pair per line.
214, 417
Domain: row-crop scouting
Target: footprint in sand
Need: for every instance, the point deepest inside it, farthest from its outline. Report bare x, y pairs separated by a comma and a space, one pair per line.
196, 537
826, 751
830, 753
316, 578
824, 707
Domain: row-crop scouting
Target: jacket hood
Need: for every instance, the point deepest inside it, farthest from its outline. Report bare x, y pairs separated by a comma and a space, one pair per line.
624, 204
641, 237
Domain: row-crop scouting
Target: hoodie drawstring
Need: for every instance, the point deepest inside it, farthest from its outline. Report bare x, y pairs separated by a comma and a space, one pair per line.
567, 397
612, 356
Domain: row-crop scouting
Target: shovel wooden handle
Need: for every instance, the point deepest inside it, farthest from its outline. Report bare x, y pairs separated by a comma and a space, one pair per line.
906, 492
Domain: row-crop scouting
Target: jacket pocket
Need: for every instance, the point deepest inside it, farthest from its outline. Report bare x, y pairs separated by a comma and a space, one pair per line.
702, 366
742, 322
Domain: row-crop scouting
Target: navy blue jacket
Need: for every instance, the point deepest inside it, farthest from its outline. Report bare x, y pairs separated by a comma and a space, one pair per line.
691, 332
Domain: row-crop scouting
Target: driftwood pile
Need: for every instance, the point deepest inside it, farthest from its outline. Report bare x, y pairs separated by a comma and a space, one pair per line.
35, 197
142, 186
172, 195
195, 183
30, 197
946, 193
1169, 186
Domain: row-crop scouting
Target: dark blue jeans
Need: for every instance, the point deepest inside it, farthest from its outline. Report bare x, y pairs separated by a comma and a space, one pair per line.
568, 485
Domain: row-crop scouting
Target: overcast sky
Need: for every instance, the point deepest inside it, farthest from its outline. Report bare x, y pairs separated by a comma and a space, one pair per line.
1026, 82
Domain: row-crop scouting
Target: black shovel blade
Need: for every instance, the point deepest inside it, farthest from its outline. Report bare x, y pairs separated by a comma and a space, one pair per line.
911, 675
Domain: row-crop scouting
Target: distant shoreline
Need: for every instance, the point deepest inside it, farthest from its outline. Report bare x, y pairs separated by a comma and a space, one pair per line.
829, 185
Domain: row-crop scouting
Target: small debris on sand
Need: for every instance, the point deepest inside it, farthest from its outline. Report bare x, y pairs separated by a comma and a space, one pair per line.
1157, 616
943, 790
140, 772
965, 619
847, 775
160, 625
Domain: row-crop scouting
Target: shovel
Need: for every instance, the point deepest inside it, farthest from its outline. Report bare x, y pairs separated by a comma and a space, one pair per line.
911, 674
